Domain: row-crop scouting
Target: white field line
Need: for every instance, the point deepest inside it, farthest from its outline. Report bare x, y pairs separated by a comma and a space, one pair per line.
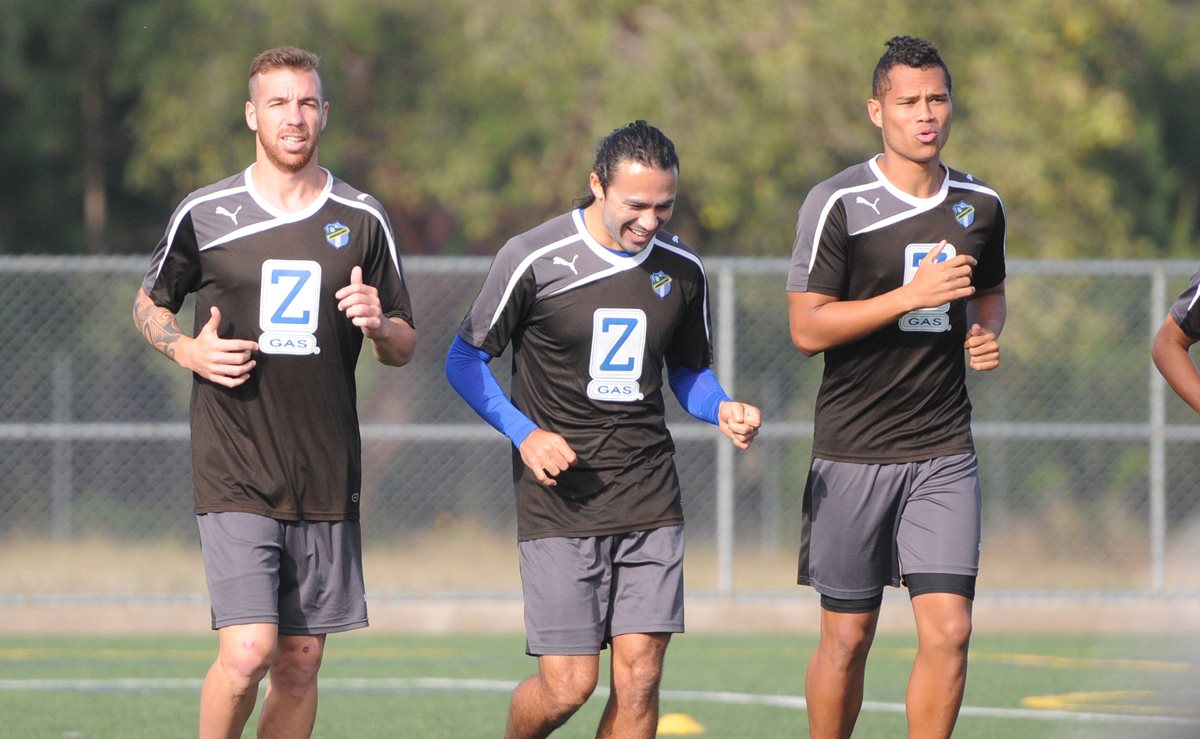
407, 685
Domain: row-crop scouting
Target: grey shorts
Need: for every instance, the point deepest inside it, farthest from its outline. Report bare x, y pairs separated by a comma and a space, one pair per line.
866, 525
305, 576
581, 592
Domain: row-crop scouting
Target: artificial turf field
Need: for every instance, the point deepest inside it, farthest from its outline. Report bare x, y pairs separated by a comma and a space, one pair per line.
120, 687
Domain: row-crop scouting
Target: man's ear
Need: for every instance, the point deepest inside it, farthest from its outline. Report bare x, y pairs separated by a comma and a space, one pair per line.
875, 111
596, 186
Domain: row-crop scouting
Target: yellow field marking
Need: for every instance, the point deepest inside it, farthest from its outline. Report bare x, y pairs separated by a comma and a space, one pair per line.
1113, 701
679, 724
1063, 663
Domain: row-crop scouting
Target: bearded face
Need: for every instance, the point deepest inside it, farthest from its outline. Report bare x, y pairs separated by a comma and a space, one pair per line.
287, 114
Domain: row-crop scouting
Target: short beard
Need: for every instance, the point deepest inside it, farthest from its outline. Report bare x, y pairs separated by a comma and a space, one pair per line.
290, 163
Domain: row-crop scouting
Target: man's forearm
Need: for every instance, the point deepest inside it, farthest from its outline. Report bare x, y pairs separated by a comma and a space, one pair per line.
989, 310
157, 325
395, 347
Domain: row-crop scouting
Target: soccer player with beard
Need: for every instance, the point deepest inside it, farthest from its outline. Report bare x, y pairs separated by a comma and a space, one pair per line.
291, 268
596, 302
897, 270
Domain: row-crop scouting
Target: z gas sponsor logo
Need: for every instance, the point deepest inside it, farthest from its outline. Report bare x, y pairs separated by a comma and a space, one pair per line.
289, 305
618, 354
614, 390
932, 320
919, 321
281, 344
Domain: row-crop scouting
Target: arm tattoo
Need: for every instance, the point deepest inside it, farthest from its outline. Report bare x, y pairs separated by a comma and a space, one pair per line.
158, 326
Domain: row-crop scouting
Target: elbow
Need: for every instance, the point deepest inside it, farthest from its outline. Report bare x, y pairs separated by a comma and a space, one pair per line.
1159, 351
400, 358
397, 360
807, 345
399, 353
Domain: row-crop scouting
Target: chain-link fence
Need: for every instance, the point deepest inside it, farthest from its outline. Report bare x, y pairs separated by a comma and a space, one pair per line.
1090, 474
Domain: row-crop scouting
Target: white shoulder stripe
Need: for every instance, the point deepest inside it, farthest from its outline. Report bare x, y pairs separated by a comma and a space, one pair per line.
1195, 297
885, 222
588, 279
833, 198
383, 222
522, 268
703, 279
184, 211
252, 228
976, 187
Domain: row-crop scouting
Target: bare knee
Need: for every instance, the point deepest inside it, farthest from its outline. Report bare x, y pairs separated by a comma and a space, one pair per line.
943, 622
294, 670
637, 665
637, 685
845, 640
951, 634
566, 694
244, 662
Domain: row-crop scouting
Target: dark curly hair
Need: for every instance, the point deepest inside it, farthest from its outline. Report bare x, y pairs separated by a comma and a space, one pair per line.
638, 142
909, 52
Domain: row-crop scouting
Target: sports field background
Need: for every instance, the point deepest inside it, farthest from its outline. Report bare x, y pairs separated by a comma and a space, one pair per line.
733, 686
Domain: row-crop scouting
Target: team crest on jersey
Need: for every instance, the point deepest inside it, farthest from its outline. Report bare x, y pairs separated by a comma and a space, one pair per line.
660, 282
337, 234
964, 213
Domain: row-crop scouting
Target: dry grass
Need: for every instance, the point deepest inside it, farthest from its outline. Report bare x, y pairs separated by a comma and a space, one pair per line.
466, 557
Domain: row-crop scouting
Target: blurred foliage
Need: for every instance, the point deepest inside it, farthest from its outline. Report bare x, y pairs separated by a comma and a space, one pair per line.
473, 121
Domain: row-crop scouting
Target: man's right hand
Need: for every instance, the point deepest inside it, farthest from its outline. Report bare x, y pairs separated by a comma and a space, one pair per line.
547, 454
223, 361
937, 283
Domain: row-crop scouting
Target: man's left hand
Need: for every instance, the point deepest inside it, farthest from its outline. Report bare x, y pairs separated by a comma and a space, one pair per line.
361, 304
739, 421
983, 349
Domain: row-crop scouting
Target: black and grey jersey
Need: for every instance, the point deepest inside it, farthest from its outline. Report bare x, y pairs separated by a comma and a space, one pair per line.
899, 394
591, 332
284, 444
1186, 309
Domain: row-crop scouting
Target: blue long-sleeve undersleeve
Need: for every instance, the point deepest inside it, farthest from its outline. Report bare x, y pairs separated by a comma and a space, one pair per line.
468, 373
698, 391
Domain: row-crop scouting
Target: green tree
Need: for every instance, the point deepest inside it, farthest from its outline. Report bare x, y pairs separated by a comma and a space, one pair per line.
473, 121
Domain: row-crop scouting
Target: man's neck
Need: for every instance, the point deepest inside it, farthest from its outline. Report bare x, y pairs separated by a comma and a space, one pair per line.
595, 226
919, 179
288, 191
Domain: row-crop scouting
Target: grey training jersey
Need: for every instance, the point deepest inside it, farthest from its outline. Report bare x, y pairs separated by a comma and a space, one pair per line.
591, 332
285, 444
899, 394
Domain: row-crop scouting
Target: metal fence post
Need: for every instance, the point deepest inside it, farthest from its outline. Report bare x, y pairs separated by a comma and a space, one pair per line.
62, 456
1158, 441
726, 369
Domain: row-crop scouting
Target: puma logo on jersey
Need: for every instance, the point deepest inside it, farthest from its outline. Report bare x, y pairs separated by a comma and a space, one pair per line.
565, 263
872, 205
221, 211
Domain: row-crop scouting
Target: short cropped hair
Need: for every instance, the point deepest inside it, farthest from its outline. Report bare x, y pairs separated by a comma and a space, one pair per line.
285, 57
909, 52
638, 142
